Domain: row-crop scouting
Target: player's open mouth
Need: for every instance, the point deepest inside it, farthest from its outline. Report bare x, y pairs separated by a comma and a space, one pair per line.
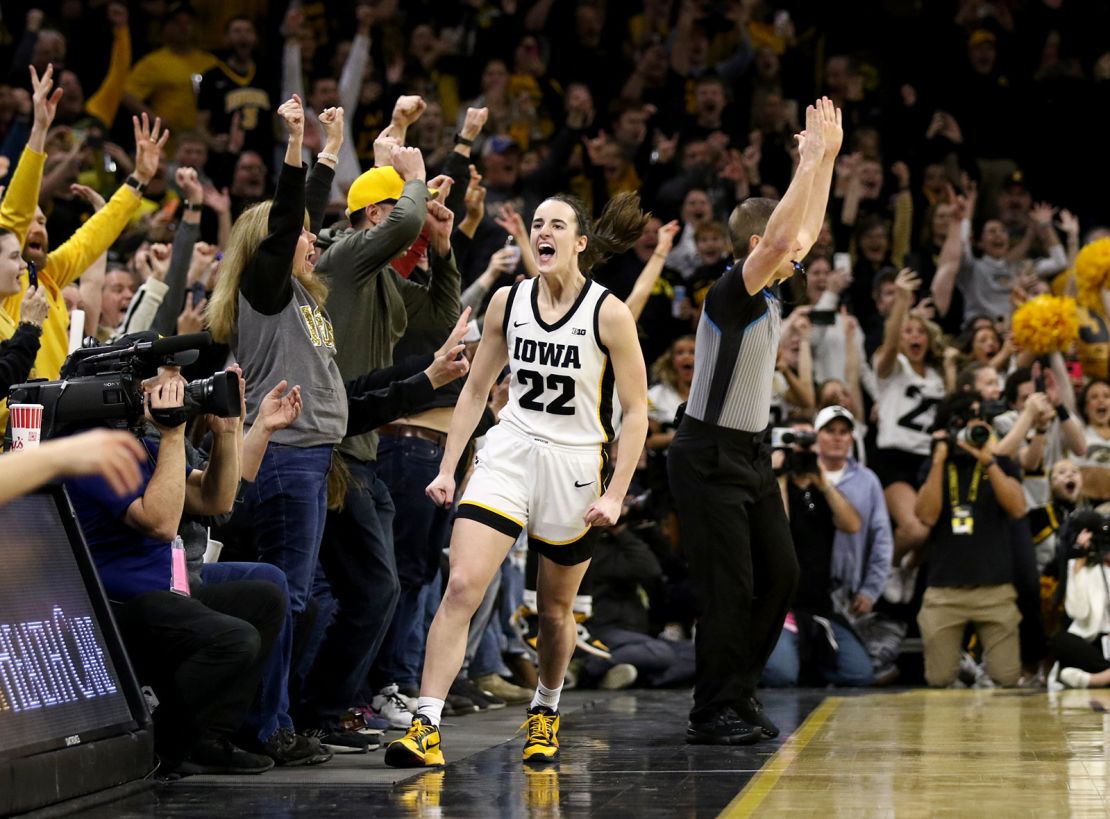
1069, 487
545, 251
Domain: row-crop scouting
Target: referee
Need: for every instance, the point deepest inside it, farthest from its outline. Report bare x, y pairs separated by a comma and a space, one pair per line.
734, 527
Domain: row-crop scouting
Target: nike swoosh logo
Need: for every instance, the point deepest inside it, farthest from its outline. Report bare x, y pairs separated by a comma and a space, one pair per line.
519, 323
578, 485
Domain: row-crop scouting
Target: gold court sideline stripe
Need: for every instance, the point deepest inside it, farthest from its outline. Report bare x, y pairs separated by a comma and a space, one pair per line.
761, 785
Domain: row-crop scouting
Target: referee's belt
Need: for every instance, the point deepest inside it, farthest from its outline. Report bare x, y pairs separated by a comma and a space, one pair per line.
409, 431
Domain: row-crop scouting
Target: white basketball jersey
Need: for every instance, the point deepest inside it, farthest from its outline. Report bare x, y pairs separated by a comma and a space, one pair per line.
562, 386
908, 407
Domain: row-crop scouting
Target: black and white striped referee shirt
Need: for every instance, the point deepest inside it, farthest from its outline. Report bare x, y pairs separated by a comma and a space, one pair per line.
734, 360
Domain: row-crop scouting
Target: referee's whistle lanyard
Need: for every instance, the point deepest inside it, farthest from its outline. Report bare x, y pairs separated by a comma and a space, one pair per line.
963, 518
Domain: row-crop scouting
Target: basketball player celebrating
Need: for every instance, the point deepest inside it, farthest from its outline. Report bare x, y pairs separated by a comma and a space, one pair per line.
731, 516
542, 468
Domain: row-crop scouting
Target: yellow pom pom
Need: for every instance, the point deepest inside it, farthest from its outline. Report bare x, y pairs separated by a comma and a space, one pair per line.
1092, 271
1046, 324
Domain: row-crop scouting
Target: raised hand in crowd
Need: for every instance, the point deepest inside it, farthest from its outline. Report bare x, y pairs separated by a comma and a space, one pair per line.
512, 223
1068, 223
332, 121
44, 99
442, 186
449, 362
665, 148
474, 122
667, 234
408, 162
408, 110
907, 282
189, 183
475, 202
203, 264
292, 114
191, 319
219, 201
149, 142
160, 255
384, 144
117, 14
90, 195
1041, 215
438, 223
925, 309
34, 307
502, 262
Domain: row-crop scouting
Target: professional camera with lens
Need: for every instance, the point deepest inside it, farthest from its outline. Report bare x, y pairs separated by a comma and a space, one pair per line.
102, 386
978, 435
798, 446
1099, 526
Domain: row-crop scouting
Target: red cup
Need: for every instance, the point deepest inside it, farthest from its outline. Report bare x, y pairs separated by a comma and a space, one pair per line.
26, 425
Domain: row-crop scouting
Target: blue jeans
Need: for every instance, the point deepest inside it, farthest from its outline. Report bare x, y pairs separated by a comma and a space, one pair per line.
358, 578
271, 710
288, 503
853, 665
420, 531
659, 663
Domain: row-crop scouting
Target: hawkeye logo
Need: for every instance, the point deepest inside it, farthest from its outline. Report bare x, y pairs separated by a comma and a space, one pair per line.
318, 326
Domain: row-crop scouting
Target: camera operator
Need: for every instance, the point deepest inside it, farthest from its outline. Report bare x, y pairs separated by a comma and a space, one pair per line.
819, 513
1082, 649
202, 651
968, 500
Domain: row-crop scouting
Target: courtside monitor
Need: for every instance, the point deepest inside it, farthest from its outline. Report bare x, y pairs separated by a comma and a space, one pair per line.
64, 678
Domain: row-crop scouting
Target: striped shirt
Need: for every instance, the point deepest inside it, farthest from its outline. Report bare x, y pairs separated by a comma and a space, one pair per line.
737, 345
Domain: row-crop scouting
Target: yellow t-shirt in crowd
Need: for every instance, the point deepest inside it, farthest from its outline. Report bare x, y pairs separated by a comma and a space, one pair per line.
163, 80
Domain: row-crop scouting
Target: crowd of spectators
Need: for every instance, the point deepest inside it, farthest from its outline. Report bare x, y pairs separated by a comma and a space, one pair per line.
173, 167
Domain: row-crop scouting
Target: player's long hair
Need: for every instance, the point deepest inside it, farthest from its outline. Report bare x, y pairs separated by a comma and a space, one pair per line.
222, 313
621, 223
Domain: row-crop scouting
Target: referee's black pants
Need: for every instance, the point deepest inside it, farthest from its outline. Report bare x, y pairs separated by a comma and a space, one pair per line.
742, 562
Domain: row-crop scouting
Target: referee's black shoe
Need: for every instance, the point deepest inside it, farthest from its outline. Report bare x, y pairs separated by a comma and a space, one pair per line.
751, 710
725, 727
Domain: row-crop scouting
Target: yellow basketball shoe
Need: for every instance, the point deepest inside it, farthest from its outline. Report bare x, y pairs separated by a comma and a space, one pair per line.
541, 743
419, 748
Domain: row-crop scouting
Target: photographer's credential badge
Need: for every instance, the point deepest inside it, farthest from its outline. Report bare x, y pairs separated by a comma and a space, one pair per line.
963, 516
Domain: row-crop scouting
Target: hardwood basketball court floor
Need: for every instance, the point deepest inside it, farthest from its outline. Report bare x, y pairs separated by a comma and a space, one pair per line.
977, 753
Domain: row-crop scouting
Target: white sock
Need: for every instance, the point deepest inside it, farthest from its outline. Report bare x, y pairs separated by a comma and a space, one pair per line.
430, 708
584, 605
547, 697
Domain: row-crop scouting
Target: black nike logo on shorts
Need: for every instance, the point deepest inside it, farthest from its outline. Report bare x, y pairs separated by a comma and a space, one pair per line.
578, 485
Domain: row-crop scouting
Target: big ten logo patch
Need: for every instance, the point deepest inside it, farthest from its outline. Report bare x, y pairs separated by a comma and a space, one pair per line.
318, 326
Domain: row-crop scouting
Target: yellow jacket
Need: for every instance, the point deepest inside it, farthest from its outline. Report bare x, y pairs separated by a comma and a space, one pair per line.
17, 211
64, 264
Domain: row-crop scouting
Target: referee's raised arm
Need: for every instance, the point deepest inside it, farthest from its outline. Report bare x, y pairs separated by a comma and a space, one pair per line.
796, 221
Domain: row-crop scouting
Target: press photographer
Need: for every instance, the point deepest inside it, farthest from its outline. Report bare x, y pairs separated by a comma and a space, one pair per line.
201, 650
969, 501
1082, 649
830, 532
